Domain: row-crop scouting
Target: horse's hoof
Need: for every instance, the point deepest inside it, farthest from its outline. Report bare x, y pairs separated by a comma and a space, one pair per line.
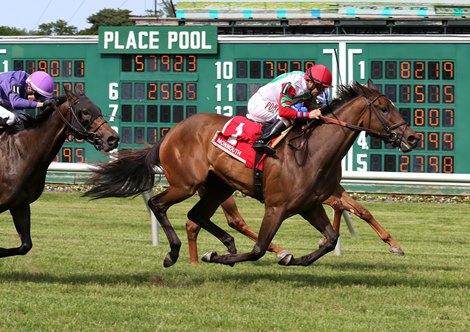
170, 260
207, 257
396, 251
282, 254
286, 260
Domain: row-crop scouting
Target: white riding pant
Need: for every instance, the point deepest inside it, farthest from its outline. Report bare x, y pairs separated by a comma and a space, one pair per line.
260, 110
8, 115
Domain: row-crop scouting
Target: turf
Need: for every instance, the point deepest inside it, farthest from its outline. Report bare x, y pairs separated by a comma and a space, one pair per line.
93, 268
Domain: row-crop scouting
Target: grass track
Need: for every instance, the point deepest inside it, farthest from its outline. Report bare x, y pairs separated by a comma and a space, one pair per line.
92, 268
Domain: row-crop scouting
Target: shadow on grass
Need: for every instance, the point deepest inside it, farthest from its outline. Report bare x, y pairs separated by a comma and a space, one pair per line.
327, 275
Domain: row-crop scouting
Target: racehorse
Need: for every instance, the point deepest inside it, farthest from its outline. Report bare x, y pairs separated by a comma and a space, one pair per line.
340, 201
27, 154
291, 186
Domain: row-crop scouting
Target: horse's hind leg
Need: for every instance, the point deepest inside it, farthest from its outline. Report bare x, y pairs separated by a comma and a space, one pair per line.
215, 192
159, 204
22, 220
341, 201
353, 206
235, 221
192, 231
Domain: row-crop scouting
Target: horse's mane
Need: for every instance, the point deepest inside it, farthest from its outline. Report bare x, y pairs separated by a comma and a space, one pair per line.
46, 113
346, 93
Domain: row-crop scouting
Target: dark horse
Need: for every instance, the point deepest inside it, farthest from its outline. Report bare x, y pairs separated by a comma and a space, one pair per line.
340, 201
292, 185
27, 154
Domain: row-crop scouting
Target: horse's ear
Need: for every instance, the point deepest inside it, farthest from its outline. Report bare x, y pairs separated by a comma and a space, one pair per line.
70, 95
371, 85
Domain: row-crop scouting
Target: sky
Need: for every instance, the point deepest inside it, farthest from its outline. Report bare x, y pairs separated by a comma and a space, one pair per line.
29, 14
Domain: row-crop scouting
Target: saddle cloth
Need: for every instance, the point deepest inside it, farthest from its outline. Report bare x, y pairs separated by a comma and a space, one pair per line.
236, 139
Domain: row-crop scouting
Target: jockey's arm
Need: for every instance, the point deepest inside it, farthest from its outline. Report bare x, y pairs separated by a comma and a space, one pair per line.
286, 102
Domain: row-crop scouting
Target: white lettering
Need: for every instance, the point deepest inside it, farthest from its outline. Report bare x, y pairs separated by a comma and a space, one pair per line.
108, 38
142, 41
204, 45
131, 42
154, 40
143, 45
228, 146
172, 38
188, 40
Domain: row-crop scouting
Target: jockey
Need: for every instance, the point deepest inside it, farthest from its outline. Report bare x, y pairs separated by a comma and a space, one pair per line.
273, 101
19, 90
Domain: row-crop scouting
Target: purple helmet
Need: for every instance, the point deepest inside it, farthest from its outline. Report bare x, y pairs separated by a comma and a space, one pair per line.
42, 83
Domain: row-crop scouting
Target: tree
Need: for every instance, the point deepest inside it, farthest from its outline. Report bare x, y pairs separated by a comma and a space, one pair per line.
167, 10
8, 31
107, 17
59, 28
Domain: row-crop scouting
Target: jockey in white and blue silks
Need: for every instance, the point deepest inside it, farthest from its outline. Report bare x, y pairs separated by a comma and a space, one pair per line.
19, 91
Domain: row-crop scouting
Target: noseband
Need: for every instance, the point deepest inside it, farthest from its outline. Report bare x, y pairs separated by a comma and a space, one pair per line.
81, 131
387, 135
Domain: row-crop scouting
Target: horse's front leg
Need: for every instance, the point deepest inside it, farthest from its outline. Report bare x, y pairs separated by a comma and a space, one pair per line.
22, 220
318, 218
272, 220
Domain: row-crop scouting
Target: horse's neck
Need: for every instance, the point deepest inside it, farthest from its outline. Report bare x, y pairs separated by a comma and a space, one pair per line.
340, 139
51, 134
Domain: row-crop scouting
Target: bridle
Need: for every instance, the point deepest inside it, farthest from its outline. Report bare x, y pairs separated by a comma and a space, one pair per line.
80, 131
387, 134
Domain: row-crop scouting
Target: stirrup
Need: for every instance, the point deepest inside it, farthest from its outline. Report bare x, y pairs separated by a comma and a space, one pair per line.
264, 148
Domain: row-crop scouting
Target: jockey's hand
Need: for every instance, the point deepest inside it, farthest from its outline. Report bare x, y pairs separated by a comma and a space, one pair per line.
314, 114
50, 102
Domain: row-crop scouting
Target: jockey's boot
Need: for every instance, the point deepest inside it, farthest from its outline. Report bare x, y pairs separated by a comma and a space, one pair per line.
261, 145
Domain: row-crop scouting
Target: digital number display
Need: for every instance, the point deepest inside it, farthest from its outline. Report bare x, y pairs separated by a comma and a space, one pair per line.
71, 155
424, 92
159, 63
269, 69
148, 109
62, 71
159, 91
55, 68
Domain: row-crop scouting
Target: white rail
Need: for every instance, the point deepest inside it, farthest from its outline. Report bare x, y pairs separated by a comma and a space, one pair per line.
375, 177
462, 180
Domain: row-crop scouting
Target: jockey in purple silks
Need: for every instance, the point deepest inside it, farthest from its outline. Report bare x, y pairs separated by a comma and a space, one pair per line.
19, 91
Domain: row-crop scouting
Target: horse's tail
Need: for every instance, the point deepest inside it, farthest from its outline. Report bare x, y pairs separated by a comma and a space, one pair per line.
131, 174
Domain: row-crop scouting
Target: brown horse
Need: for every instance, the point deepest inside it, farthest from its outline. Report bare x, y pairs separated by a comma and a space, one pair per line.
27, 154
340, 201
292, 185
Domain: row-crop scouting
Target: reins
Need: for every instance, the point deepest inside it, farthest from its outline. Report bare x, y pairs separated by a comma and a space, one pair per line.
388, 136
